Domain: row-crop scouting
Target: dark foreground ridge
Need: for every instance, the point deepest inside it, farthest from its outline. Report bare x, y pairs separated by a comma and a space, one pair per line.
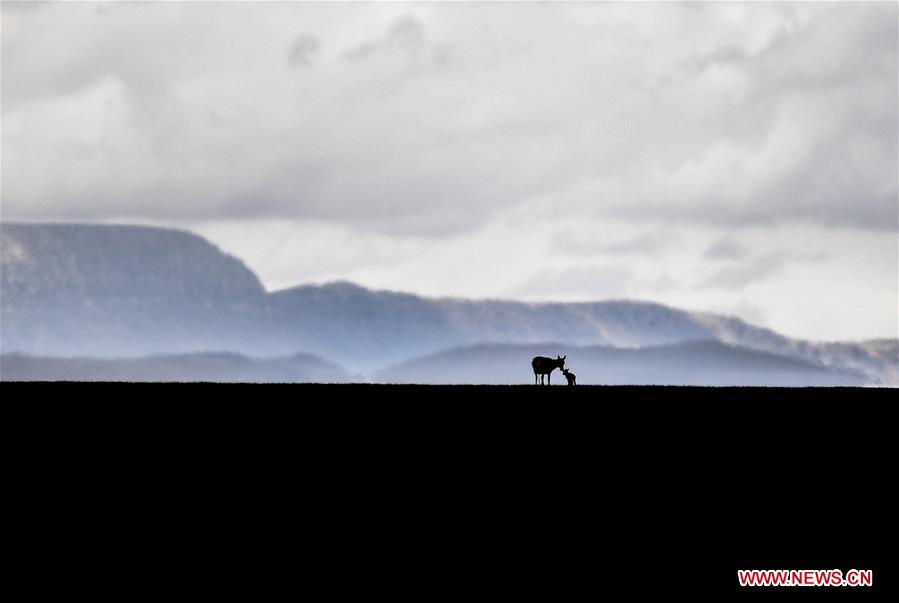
476, 403
578, 489
560, 389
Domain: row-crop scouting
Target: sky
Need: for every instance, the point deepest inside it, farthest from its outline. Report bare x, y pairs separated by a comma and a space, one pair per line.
738, 158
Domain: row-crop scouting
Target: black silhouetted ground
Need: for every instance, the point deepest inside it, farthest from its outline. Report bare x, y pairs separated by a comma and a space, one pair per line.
582, 489
611, 400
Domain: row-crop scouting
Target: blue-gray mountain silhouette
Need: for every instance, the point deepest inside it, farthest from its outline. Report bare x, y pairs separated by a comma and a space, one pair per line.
689, 363
115, 291
210, 366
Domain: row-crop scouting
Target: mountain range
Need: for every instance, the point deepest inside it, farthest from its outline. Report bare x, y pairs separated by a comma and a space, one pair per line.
224, 367
107, 292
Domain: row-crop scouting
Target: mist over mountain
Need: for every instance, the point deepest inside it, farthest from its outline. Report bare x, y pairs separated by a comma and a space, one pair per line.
691, 363
367, 330
97, 290
109, 291
211, 366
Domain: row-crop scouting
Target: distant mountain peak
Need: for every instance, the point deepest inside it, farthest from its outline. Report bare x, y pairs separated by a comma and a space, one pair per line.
110, 255
122, 290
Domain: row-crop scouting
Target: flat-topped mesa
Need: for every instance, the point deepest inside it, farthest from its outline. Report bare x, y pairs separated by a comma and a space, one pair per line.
119, 260
113, 290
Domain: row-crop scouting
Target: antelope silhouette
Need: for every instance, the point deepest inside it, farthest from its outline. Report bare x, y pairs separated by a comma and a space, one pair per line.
544, 366
572, 378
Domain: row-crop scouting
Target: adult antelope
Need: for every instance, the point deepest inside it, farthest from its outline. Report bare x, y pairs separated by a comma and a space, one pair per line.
544, 366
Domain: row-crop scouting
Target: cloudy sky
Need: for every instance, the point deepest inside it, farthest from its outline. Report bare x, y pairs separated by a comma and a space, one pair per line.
731, 157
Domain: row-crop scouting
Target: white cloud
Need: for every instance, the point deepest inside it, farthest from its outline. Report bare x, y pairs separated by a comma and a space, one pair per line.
475, 148
446, 114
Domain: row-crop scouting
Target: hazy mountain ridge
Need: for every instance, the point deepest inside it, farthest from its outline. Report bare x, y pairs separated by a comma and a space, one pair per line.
109, 290
877, 358
706, 362
218, 367
399, 326
150, 261
113, 291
